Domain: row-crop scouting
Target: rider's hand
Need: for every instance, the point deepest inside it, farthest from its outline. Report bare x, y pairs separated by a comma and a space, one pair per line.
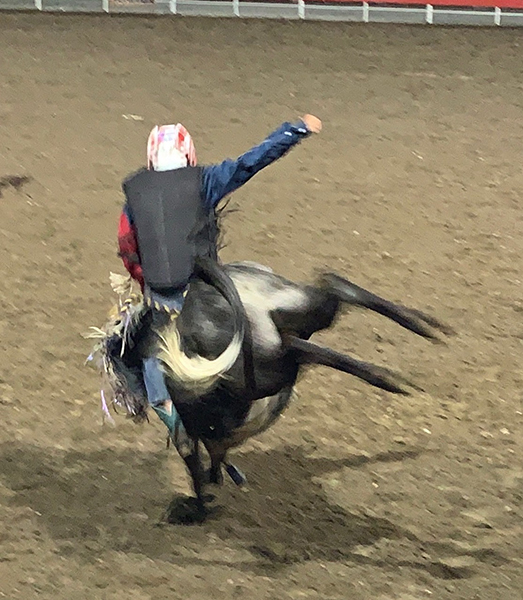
312, 123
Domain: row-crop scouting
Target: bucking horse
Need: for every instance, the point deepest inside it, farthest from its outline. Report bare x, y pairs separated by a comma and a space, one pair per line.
233, 356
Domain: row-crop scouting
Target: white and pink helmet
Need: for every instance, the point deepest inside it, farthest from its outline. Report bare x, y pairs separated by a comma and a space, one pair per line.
170, 147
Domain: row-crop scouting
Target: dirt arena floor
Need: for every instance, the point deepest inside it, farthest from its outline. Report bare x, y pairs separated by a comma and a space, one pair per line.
413, 190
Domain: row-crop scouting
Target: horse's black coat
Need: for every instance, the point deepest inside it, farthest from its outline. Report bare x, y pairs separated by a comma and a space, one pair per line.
280, 350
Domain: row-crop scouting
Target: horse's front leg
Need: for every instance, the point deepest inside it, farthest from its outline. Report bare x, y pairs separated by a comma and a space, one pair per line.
189, 450
194, 465
195, 510
217, 455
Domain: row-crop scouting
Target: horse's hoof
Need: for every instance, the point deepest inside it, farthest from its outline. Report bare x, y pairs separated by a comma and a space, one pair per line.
187, 511
235, 474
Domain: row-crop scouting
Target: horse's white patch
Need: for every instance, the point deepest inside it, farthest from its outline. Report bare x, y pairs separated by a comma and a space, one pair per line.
252, 265
261, 295
261, 416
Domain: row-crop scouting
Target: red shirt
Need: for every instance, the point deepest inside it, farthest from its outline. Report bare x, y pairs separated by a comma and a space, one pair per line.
128, 249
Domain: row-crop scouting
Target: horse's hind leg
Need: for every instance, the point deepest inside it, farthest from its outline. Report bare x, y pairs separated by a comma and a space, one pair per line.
414, 320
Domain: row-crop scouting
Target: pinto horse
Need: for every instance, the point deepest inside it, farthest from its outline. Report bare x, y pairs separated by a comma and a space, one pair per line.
234, 354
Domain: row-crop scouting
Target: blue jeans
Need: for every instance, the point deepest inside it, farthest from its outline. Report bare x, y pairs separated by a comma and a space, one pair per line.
154, 379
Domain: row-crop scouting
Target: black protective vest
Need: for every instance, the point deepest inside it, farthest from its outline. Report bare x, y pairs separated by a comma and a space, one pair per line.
172, 224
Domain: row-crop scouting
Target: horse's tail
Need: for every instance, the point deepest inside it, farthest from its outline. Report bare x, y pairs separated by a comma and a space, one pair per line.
197, 373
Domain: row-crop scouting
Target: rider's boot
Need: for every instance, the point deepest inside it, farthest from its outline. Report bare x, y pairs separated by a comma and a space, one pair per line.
168, 415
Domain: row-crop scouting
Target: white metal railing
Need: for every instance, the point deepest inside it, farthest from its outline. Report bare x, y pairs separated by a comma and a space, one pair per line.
299, 9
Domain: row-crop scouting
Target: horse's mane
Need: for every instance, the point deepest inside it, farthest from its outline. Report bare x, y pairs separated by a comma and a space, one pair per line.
220, 214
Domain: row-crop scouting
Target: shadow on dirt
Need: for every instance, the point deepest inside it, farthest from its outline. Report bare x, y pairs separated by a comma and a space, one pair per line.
101, 501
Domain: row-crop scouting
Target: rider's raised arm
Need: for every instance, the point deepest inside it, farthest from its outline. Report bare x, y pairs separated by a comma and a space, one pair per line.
222, 179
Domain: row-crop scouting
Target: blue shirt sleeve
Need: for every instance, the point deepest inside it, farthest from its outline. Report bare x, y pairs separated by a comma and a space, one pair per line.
222, 179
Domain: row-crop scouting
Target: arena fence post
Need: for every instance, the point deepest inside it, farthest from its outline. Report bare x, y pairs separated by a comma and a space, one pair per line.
365, 12
301, 9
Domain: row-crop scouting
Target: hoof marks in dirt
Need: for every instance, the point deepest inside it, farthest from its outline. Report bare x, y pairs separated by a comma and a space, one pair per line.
14, 181
460, 567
